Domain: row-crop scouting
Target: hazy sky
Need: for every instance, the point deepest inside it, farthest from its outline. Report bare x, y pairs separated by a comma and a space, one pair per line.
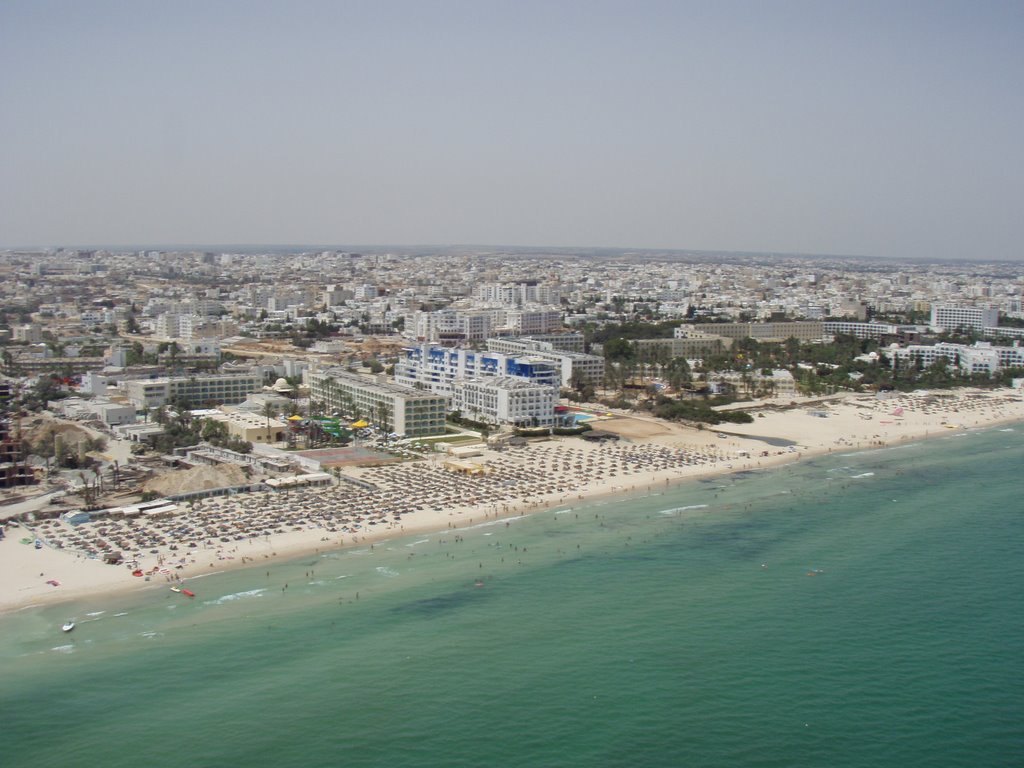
883, 129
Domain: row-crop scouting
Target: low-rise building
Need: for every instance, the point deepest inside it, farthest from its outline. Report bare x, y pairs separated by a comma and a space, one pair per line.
981, 357
197, 391
803, 330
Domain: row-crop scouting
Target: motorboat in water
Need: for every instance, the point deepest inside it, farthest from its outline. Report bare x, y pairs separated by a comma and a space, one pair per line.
68, 626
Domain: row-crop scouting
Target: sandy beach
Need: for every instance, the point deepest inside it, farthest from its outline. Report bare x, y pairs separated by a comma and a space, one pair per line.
427, 496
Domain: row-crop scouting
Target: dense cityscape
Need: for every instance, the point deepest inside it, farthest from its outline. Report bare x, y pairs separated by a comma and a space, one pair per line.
252, 343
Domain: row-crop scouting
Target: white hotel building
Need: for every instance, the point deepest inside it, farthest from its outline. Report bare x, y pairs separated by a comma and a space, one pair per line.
505, 400
436, 368
981, 357
392, 407
197, 391
947, 317
486, 386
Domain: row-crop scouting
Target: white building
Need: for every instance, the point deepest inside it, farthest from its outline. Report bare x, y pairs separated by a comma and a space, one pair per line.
518, 294
453, 325
571, 365
860, 330
804, 330
523, 322
947, 317
216, 389
174, 326
779, 383
30, 334
571, 341
505, 400
436, 368
392, 407
981, 357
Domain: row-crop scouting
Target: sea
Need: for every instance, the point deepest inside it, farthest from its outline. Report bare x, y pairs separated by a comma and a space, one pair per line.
856, 609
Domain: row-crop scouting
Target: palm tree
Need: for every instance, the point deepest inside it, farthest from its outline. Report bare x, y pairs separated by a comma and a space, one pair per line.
270, 411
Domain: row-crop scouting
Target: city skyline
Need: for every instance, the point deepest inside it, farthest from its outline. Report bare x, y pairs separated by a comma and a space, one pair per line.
800, 129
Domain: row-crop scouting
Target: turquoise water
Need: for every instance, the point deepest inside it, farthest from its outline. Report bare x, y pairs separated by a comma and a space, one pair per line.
858, 610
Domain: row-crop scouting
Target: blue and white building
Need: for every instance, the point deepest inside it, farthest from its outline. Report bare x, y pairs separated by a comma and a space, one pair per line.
435, 368
485, 386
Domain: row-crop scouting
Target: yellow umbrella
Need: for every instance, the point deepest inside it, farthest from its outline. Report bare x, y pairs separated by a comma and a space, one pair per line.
295, 418
360, 424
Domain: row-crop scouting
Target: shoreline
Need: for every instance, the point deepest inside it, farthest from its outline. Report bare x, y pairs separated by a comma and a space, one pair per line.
555, 473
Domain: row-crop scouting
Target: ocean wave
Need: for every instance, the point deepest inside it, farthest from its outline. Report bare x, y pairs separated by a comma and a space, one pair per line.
414, 543
235, 596
676, 510
862, 474
385, 571
150, 635
63, 648
96, 613
492, 523
866, 451
204, 575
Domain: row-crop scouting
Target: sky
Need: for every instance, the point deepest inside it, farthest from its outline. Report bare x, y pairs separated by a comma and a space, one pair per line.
884, 129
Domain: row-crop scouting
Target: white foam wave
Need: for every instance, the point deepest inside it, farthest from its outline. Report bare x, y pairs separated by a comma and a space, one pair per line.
96, 613
899, 447
492, 523
63, 648
862, 474
385, 571
677, 510
414, 543
235, 596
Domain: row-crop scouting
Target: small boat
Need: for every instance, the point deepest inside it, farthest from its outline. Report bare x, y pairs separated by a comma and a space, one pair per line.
68, 626
188, 593
175, 589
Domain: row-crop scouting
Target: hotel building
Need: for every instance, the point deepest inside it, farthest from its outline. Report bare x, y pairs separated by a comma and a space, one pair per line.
393, 407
